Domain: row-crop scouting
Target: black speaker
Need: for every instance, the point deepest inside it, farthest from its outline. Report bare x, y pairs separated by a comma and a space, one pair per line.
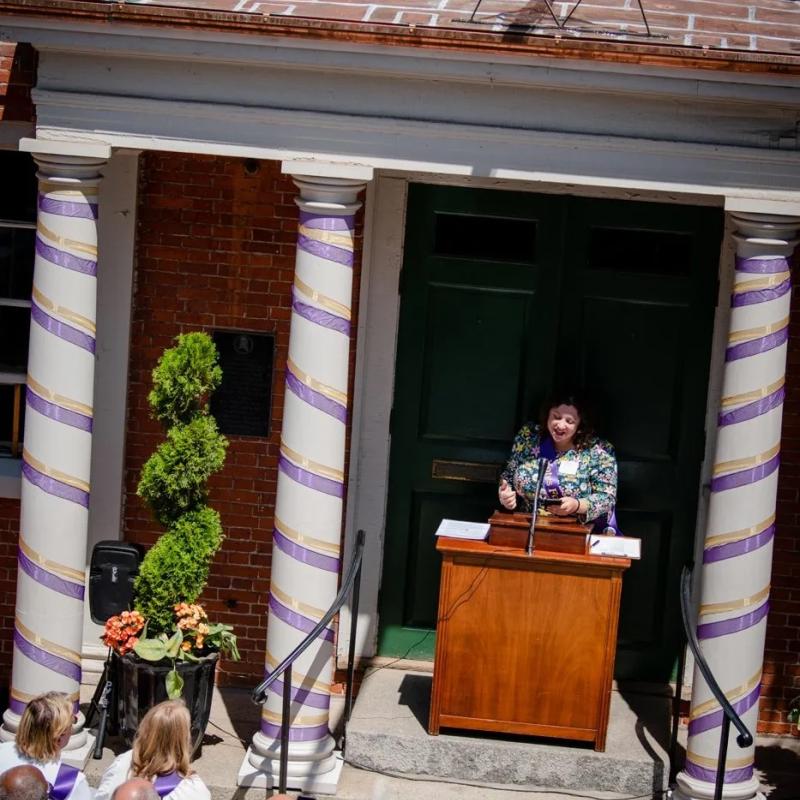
112, 572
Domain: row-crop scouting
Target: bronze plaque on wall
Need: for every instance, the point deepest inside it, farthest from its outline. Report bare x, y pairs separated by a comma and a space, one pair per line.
243, 402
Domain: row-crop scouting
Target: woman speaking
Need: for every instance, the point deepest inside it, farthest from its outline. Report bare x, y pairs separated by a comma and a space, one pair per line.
581, 471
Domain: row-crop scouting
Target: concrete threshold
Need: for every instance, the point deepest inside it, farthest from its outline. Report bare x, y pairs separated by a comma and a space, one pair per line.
388, 733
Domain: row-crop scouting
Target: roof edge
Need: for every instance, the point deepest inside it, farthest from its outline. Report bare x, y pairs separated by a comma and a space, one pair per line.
443, 39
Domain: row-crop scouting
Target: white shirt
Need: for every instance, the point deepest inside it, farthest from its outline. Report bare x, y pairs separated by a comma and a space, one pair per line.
190, 788
10, 757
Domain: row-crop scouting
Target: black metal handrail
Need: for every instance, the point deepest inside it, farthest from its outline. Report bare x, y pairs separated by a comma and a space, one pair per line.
729, 715
351, 581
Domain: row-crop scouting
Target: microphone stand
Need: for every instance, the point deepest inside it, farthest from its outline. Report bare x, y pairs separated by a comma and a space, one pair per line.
543, 462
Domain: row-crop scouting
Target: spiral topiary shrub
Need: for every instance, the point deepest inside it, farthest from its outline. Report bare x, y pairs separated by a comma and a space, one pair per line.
173, 482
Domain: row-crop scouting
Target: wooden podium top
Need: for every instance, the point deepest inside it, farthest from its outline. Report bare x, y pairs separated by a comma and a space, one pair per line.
566, 541
470, 547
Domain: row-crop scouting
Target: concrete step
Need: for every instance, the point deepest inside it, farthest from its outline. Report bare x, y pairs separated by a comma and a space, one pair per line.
388, 734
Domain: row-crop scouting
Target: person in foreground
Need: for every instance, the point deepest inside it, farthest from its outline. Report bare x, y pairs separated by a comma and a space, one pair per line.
581, 476
135, 789
24, 782
44, 730
161, 753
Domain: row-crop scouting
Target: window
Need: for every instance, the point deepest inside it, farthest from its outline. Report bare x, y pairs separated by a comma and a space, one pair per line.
643, 251
485, 238
17, 244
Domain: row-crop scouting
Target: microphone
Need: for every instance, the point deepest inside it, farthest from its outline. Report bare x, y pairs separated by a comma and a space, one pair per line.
542, 464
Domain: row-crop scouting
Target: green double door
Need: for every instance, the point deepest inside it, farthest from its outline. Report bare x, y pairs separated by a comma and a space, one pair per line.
505, 294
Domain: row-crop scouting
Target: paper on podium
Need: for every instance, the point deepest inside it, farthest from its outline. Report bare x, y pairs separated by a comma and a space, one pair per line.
459, 529
623, 546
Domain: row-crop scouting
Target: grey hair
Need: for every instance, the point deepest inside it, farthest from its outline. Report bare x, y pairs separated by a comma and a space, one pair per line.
23, 782
135, 789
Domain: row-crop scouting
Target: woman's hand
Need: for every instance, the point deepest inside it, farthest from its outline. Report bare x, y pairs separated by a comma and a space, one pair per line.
507, 496
569, 507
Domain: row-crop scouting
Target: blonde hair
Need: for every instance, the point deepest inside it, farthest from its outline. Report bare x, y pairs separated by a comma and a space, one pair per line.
163, 741
44, 721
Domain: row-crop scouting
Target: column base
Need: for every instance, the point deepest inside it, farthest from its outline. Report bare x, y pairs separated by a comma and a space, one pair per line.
689, 788
262, 772
78, 749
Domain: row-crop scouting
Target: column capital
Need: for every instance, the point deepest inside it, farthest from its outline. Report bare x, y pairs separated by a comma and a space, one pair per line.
75, 161
328, 187
775, 228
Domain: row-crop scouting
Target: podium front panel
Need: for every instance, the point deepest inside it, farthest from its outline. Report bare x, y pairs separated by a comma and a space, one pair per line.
525, 645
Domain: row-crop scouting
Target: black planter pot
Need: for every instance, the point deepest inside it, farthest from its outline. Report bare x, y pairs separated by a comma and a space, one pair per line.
140, 686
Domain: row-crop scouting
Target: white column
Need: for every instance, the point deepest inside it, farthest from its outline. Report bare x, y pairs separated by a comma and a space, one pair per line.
309, 504
737, 555
48, 625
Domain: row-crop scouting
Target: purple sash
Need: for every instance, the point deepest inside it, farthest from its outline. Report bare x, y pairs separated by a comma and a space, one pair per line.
552, 488
66, 779
166, 784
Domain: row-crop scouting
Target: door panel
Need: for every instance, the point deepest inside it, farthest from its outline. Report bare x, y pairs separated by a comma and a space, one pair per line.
505, 293
470, 334
467, 324
646, 277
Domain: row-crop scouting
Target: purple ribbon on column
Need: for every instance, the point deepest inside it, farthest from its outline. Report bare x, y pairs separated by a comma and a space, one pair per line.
45, 659
710, 775
325, 222
58, 413
320, 317
711, 630
746, 476
304, 696
63, 259
762, 266
61, 329
309, 479
761, 295
67, 208
752, 410
53, 486
732, 549
303, 554
295, 734
54, 582
755, 346
296, 620
330, 252
314, 398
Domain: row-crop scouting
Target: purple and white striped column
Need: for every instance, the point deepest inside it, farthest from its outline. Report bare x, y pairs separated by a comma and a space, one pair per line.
309, 504
48, 625
737, 555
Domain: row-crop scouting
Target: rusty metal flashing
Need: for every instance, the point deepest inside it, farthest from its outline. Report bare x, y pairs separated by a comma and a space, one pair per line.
493, 43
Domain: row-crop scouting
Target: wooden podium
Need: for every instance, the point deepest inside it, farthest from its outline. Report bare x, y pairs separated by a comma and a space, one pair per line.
526, 644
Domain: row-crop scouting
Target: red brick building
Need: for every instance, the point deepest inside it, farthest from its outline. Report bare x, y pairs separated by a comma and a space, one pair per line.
522, 182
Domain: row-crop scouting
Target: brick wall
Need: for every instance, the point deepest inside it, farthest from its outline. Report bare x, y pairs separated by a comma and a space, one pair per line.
216, 250
9, 533
781, 681
17, 76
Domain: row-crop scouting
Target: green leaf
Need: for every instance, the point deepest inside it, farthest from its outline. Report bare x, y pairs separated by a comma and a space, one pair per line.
150, 649
174, 644
189, 656
174, 683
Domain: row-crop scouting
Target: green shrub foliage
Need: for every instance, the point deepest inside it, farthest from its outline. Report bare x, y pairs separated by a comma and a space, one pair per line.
184, 378
173, 481
176, 568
